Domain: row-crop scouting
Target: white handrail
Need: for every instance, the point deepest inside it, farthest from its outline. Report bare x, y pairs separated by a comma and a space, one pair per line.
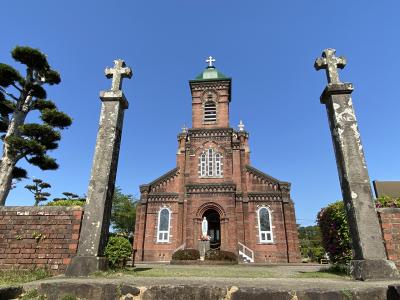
243, 249
180, 247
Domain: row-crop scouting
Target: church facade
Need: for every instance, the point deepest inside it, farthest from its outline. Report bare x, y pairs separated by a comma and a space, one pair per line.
248, 212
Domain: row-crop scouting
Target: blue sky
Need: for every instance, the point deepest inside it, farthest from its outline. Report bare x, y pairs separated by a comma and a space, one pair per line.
267, 47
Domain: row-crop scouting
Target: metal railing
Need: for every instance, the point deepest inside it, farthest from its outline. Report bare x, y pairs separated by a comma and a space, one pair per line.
181, 247
246, 252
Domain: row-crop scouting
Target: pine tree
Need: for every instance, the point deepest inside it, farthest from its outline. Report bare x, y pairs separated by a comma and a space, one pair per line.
37, 189
20, 95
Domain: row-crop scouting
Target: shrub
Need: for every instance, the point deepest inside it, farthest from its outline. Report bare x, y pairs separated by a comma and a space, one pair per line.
335, 232
387, 201
118, 251
186, 254
67, 202
220, 255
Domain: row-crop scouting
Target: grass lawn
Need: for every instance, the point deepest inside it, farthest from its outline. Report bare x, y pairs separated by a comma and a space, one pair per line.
16, 277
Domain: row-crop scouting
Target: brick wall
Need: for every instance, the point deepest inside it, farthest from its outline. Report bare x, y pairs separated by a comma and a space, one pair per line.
389, 218
45, 236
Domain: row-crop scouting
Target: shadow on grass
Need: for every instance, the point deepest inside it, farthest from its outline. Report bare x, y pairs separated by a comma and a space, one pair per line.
136, 270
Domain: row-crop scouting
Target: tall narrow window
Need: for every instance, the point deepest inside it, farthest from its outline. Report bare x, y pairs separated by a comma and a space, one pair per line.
264, 225
210, 111
164, 218
210, 164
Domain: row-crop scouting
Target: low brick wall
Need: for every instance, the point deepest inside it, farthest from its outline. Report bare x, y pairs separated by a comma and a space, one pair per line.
389, 218
44, 236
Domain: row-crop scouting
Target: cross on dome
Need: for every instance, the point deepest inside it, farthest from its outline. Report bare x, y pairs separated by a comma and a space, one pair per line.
210, 61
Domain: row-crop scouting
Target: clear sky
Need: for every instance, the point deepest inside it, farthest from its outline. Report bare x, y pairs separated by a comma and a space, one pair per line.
267, 47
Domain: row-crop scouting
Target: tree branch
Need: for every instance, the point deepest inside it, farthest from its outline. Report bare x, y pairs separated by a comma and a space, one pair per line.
8, 94
19, 89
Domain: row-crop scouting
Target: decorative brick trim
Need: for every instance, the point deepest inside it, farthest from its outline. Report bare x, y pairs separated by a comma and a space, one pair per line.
164, 179
163, 197
266, 196
210, 188
273, 182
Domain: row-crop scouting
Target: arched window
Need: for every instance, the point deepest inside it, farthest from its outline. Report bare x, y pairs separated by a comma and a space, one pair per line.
210, 111
164, 220
264, 225
210, 164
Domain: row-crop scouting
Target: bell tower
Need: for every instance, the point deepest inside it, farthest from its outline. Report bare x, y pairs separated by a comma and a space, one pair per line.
211, 95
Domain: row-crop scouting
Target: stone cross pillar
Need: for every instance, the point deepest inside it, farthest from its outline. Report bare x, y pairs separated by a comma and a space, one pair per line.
369, 257
96, 218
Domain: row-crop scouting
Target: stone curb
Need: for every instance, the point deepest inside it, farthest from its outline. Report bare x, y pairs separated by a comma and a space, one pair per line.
110, 291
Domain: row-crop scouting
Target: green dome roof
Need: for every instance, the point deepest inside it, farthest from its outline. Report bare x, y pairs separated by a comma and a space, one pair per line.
210, 73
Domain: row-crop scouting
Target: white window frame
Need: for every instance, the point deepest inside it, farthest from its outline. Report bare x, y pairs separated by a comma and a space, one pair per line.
211, 164
263, 235
164, 233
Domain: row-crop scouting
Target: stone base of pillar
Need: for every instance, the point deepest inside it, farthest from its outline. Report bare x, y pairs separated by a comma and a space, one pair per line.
85, 265
373, 269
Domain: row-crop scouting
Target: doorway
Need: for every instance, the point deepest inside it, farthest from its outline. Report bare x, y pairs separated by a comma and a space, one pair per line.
214, 228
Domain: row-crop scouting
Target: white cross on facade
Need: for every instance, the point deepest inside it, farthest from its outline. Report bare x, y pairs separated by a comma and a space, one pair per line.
119, 71
210, 61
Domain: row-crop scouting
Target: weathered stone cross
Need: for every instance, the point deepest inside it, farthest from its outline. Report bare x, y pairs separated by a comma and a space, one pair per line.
96, 219
330, 63
119, 71
210, 61
369, 257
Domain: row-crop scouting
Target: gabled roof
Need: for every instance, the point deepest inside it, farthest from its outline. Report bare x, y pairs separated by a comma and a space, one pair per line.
262, 174
166, 176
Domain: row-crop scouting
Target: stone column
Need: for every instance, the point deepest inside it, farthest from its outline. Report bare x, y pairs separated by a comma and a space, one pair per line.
369, 257
96, 218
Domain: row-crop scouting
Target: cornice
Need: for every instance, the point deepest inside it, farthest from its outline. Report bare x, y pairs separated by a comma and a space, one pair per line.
208, 188
163, 197
265, 196
167, 177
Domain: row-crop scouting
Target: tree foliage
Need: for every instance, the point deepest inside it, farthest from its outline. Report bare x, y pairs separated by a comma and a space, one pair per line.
310, 239
19, 95
332, 221
37, 189
123, 213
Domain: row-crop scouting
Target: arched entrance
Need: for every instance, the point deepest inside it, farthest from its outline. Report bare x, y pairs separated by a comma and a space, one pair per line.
214, 227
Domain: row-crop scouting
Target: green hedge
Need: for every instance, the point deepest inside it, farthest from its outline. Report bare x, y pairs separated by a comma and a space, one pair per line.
66, 202
332, 221
186, 254
220, 255
118, 251
387, 201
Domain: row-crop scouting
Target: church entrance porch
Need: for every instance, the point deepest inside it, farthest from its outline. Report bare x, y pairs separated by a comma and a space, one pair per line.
214, 228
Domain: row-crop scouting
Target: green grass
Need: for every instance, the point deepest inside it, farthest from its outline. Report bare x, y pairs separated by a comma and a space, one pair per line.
331, 272
195, 271
319, 274
15, 277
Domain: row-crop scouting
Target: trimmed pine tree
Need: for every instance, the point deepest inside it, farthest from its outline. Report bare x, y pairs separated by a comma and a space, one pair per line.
19, 95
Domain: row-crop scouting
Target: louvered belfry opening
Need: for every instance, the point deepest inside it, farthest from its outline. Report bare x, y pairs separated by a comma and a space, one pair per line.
210, 111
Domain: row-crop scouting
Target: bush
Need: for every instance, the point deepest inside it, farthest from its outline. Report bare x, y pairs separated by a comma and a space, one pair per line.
387, 201
220, 255
66, 202
118, 251
335, 233
186, 254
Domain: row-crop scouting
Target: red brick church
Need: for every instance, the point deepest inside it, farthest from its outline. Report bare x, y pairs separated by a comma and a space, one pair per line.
248, 211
